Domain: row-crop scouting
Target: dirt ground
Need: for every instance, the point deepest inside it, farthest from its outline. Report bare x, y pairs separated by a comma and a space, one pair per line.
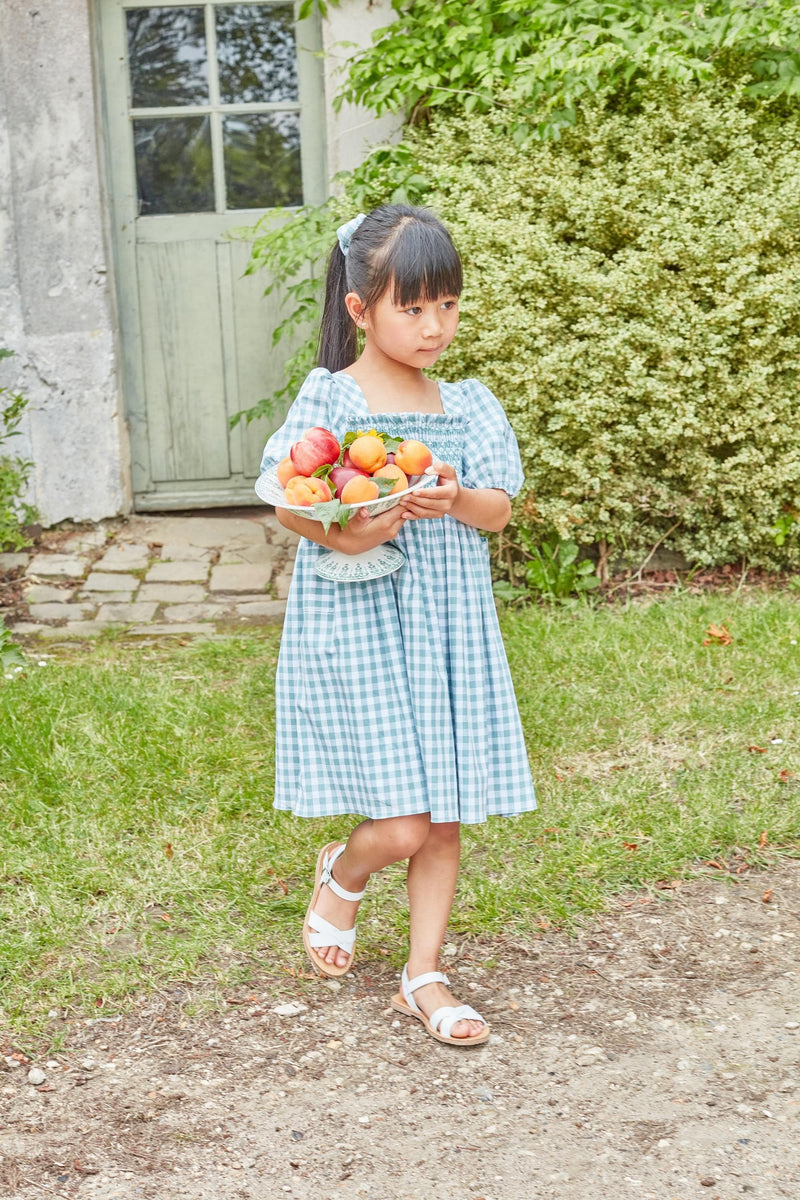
657, 1054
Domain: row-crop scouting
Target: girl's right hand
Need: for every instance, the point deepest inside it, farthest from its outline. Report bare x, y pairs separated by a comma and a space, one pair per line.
363, 532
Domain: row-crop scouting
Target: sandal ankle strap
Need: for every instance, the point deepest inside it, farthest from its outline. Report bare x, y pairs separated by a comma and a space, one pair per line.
409, 986
326, 876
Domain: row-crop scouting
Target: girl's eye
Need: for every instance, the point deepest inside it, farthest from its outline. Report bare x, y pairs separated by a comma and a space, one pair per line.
448, 304
414, 311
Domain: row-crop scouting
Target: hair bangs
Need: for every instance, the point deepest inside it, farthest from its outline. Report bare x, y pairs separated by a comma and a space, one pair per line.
420, 263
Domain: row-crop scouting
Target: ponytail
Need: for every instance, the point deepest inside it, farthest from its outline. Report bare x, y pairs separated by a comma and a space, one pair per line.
338, 344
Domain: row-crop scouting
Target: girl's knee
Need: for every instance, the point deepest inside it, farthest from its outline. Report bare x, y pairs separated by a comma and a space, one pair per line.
403, 836
445, 835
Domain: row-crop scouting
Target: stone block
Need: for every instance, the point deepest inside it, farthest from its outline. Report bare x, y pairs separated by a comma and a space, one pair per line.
45, 593
124, 556
283, 582
248, 554
89, 539
98, 581
283, 537
241, 577
123, 614
69, 566
206, 532
72, 629
107, 597
184, 552
270, 610
195, 612
60, 612
178, 572
11, 562
172, 593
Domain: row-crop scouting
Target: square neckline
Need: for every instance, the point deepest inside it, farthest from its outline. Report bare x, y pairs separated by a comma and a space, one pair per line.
393, 412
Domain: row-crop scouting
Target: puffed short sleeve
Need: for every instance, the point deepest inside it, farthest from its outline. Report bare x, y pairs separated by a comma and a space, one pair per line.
491, 454
310, 408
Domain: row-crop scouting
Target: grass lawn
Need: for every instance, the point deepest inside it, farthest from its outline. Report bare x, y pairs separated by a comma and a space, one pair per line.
139, 844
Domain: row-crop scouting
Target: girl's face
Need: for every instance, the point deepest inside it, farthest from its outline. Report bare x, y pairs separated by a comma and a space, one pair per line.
414, 335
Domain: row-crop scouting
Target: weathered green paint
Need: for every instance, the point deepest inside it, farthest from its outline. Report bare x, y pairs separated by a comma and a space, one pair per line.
195, 335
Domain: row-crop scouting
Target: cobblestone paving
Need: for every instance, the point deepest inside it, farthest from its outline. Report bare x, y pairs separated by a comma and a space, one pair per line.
154, 574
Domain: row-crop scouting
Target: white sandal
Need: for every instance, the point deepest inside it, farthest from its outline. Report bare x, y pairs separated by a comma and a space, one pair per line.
443, 1019
319, 932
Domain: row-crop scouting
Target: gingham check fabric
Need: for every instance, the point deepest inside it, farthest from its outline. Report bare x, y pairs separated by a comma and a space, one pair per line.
394, 695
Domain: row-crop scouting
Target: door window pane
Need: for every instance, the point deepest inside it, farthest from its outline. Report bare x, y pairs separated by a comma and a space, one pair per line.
262, 160
167, 56
256, 53
173, 165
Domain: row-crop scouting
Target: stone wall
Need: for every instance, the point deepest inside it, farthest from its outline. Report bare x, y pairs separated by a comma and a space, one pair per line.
56, 289
55, 303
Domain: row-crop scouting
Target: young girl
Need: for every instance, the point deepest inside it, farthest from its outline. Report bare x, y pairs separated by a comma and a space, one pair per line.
394, 696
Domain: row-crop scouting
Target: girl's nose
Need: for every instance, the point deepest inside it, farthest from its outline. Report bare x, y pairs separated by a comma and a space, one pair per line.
433, 325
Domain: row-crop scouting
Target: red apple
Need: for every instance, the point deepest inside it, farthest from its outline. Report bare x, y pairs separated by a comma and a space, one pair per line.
339, 476
316, 447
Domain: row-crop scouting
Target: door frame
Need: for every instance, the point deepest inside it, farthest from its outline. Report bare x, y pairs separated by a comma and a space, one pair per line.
121, 202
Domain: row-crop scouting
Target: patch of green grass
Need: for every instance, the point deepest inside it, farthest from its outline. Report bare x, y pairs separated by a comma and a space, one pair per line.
140, 846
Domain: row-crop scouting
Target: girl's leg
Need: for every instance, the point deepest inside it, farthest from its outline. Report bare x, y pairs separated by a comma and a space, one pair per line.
432, 875
371, 846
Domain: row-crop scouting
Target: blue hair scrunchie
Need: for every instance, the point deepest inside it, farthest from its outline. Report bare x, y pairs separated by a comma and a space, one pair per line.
345, 232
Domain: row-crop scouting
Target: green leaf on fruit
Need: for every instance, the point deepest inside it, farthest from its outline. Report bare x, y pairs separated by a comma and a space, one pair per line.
385, 485
391, 443
345, 512
324, 471
327, 512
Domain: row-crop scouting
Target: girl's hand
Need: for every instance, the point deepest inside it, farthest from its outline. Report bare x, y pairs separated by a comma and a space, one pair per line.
363, 532
432, 502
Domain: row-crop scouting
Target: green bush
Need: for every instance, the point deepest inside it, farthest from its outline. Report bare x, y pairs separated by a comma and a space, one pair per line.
633, 298
14, 472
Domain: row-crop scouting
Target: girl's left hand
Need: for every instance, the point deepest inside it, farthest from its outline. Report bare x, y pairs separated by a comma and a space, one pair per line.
433, 502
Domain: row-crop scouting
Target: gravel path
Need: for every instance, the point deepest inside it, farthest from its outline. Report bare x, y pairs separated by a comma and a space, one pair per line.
655, 1055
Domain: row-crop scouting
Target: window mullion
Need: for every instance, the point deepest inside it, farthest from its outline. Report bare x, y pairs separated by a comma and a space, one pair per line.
217, 148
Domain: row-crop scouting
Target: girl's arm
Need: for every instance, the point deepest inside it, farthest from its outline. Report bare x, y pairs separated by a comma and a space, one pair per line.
484, 508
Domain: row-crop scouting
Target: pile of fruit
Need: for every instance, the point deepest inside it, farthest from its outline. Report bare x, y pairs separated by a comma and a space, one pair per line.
367, 466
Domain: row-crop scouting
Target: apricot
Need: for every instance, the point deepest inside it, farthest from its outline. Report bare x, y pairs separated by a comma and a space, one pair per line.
286, 470
413, 457
391, 471
359, 489
367, 452
303, 492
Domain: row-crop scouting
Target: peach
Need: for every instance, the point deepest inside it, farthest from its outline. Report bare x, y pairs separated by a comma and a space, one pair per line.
413, 457
303, 492
367, 452
286, 470
390, 471
317, 447
358, 489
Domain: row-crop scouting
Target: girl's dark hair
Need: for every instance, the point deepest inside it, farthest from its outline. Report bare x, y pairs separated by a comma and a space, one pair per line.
396, 247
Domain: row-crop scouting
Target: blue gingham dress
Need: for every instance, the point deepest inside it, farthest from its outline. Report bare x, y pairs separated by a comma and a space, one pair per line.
394, 695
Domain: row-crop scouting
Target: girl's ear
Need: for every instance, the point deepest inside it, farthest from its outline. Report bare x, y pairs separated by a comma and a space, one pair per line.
356, 309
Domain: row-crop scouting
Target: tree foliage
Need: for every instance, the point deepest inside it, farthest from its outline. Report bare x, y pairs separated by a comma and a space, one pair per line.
539, 62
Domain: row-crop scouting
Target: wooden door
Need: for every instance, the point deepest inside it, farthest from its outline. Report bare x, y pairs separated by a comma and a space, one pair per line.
213, 116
